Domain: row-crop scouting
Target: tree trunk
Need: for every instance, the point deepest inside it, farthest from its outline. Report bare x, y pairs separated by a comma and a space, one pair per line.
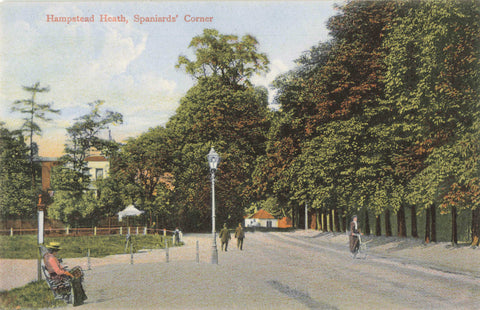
378, 226
324, 221
401, 222
413, 215
336, 218
427, 225
367, 224
330, 215
293, 217
434, 224
454, 226
344, 222
476, 227
317, 216
388, 224
313, 222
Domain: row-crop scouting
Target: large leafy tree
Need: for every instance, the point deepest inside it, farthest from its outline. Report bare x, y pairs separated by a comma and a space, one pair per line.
141, 173
432, 83
222, 110
333, 100
231, 59
15, 178
234, 122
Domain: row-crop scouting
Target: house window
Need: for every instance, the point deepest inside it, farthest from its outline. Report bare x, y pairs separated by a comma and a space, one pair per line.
269, 223
98, 174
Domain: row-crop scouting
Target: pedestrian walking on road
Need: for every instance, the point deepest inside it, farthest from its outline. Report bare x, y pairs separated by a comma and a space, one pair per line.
354, 231
176, 234
240, 235
224, 237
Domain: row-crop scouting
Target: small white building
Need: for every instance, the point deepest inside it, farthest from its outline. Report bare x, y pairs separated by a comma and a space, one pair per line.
261, 219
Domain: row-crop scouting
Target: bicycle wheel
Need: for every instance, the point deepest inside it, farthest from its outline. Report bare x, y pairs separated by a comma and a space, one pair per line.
362, 250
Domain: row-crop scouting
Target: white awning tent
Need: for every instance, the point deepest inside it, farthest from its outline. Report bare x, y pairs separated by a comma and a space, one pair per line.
129, 211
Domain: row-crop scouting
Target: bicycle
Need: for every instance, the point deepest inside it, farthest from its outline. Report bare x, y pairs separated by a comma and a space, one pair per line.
361, 250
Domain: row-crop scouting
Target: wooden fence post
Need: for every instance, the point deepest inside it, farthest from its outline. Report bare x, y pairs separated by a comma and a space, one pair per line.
120, 230
11, 232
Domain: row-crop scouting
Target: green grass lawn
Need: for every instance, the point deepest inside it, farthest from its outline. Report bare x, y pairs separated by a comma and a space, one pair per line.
36, 295
25, 247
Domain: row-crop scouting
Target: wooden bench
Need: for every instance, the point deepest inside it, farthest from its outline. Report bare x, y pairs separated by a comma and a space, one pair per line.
61, 289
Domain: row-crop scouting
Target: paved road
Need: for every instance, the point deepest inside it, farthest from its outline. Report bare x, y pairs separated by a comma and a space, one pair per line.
275, 271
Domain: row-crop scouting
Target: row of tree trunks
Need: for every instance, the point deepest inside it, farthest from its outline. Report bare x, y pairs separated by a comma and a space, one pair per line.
339, 223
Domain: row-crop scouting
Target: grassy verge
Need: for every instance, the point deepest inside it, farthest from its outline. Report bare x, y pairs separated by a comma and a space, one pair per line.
35, 295
25, 247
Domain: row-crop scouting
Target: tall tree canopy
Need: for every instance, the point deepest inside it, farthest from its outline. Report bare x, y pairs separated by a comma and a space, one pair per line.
222, 110
232, 59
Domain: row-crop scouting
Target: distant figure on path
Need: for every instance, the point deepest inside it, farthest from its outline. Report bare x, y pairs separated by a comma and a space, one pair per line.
224, 237
354, 230
239, 234
176, 234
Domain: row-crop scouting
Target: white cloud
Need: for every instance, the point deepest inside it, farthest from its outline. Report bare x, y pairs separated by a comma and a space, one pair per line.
277, 67
82, 63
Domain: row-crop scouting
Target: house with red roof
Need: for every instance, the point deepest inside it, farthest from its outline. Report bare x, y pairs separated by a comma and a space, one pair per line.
261, 218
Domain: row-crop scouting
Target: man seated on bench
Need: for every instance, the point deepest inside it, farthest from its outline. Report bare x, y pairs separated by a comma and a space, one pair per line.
59, 273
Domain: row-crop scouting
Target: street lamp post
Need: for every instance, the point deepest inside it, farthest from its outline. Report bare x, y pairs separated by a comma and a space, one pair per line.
213, 160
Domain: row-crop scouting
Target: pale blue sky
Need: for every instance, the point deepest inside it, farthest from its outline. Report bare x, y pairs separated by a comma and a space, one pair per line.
132, 66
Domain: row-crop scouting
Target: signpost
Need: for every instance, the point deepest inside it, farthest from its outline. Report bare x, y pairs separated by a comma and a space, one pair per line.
41, 220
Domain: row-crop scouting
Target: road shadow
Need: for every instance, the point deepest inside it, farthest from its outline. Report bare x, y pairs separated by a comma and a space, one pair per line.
300, 296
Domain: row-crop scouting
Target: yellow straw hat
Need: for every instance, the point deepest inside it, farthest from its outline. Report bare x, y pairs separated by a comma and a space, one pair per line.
53, 246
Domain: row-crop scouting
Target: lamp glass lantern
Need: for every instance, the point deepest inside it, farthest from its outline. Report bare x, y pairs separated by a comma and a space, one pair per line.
213, 159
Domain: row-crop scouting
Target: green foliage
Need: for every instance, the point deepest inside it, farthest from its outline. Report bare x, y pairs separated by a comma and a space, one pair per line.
74, 199
432, 82
141, 175
85, 135
224, 111
233, 60
71, 207
17, 197
35, 295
